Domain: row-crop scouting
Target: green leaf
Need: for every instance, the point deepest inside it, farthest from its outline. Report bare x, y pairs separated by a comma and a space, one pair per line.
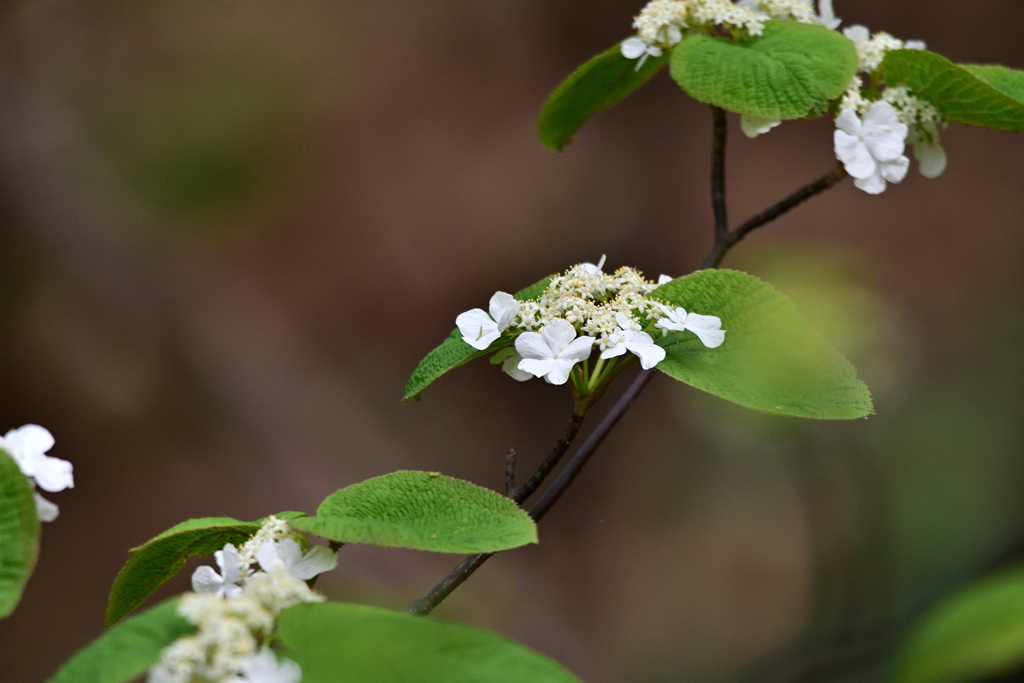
421, 510
602, 82
19, 533
128, 650
789, 72
771, 360
977, 634
454, 352
339, 643
988, 96
156, 561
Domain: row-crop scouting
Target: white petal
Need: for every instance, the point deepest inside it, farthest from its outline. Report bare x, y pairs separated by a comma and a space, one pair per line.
533, 346
559, 373
633, 47
855, 155
317, 561
269, 557
613, 351
915, 45
873, 184
708, 329
849, 123
753, 126
895, 171
477, 328
664, 279
536, 367
511, 368
53, 474
230, 591
931, 158
557, 333
230, 562
263, 667
504, 308
673, 34
206, 580
653, 51
29, 440
604, 257
649, 353
45, 510
884, 135
290, 550
579, 350
857, 33
670, 325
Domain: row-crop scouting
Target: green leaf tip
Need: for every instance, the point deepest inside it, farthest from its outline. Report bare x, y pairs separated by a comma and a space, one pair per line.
345, 643
19, 533
791, 71
422, 511
602, 82
454, 352
988, 96
771, 361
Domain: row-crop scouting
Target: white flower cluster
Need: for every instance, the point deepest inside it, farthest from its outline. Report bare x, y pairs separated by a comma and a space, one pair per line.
872, 132
611, 311
28, 446
236, 610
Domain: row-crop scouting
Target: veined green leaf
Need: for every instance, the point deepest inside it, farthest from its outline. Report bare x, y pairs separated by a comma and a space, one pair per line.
789, 72
454, 352
128, 650
159, 559
421, 510
989, 96
771, 360
341, 643
975, 635
602, 82
19, 533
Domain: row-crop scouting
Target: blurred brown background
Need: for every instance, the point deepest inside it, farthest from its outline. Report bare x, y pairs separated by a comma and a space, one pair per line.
229, 231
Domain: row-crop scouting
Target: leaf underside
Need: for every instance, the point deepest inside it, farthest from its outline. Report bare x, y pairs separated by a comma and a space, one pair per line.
454, 352
344, 643
19, 533
789, 72
771, 360
600, 83
423, 511
987, 96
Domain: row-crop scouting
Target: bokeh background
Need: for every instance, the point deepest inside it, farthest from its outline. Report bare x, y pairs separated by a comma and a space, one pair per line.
229, 230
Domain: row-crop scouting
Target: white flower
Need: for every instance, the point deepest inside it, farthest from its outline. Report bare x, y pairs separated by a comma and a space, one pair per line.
225, 584
287, 554
915, 45
708, 328
931, 158
264, 667
552, 353
479, 329
872, 149
753, 126
635, 47
28, 446
827, 16
628, 337
591, 269
664, 279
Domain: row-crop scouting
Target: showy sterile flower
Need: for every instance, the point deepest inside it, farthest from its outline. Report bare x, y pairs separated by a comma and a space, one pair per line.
629, 337
931, 157
480, 329
206, 580
827, 16
287, 554
633, 48
264, 667
708, 328
872, 149
753, 126
28, 446
553, 352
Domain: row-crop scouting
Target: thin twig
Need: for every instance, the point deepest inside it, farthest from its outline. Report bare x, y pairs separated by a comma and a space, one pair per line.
721, 130
510, 472
724, 241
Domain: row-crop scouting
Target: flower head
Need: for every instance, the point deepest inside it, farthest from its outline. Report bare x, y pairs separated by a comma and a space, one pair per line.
708, 328
225, 584
553, 352
287, 554
480, 329
872, 149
